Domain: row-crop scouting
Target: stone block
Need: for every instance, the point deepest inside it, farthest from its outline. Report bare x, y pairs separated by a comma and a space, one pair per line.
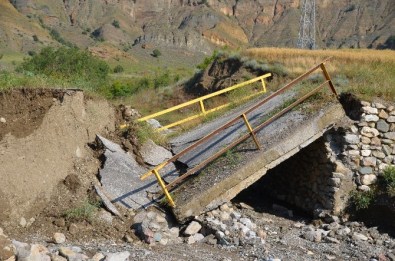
365, 170
379, 154
369, 161
351, 139
383, 114
390, 135
368, 179
371, 118
366, 153
391, 119
370, 110
382, 126
369, 132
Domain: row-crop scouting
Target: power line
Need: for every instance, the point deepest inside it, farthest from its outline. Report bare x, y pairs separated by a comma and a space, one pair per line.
306, 39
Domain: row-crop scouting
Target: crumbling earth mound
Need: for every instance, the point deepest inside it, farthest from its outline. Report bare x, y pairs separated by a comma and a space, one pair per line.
43, 139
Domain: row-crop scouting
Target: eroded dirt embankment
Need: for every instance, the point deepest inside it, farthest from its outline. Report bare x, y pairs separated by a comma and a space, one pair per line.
43, 134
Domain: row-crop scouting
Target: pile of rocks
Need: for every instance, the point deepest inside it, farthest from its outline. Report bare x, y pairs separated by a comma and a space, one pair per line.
156, 227
371, 143
230, 227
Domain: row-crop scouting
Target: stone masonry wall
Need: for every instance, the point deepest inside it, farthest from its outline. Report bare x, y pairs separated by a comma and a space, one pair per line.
313, 180
371, 143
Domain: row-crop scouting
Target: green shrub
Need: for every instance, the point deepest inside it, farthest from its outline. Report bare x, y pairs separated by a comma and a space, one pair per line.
115, 23
362, 199
84, 212
67, 63
389, 180
31, 53
162, 80
156, 53
57, 37
207, 61
35, 38
118, 69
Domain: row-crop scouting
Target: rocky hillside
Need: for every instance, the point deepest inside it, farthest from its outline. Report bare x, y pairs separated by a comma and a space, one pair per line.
196, 25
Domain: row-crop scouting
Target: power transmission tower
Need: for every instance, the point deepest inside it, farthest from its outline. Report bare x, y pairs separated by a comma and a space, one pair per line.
306, 39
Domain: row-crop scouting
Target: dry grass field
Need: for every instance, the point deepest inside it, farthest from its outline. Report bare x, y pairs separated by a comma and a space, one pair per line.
367, 73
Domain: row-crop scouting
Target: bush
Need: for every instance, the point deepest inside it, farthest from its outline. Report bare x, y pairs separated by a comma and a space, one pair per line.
67, 63
389, 180
362, 199
35, 38
118, 69
84, 212
207, 61
156, 53
57, 37
115, 23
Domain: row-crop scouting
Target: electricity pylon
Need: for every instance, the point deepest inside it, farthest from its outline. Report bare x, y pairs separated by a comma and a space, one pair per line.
306, 39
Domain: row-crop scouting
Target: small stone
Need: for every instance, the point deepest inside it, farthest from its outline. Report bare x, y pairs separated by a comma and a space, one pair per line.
59, 238
375, 141
369, 161
382, 126
383, 166
191, 240
105, 216
379, 105
366, 153
73, 229
157, 236
313, 236
235, 215
370, 110
351, 139
198, 237
368, 179
224, 207
390, 135
248, 223
353, 152
121, 256
371, 118
358, 236
192, 228
391, 119
354, 129
70, 254
3, 120
22, 222
365, 104
365, 140
383, 114
332, 240
387, 150
390, 108
224, 216
379, 154
370, 132
98, 257
364, 188
298, 225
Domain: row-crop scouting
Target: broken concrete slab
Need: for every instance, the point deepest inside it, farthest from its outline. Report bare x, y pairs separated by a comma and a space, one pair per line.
153, 154
120, 177
107, 203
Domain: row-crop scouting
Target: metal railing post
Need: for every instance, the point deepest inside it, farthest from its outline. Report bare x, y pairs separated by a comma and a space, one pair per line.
162, 184
328, 78
247, 123
202, 107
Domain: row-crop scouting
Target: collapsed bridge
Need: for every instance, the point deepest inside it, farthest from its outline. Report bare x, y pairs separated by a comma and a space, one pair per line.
219, 160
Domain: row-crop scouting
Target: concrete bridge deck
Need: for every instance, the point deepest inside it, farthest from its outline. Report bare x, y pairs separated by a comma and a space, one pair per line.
223, 179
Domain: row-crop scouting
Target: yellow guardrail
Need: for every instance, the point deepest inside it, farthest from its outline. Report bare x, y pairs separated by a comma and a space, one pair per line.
201, 100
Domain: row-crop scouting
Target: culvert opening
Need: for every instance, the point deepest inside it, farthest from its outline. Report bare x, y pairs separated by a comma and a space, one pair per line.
306, 183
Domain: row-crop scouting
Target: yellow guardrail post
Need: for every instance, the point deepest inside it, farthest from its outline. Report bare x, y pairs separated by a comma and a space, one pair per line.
202, 107
167, 194
250, 130
263, 85
328, 78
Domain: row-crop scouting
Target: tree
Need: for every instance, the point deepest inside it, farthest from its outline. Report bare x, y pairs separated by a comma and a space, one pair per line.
156, 53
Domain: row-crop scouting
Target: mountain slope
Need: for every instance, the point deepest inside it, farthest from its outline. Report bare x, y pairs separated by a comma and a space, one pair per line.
200, 25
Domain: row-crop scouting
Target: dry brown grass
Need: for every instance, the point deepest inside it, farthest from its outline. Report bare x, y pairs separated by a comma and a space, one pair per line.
367, 73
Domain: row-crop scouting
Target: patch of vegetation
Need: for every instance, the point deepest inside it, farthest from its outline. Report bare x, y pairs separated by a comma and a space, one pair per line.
83, 212
115, 23
57, 37
388, 180
144, 131
384, 187
35, 38
118, 69
207, 61
156, 53
68, 64
362, 199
